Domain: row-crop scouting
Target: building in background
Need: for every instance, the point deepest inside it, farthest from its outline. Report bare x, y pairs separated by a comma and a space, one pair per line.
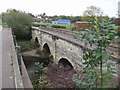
62, 21
55, 22
79, 24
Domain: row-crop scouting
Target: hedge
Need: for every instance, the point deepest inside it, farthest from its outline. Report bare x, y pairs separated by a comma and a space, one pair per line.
58, 26
43, 25
39, 24
36, 24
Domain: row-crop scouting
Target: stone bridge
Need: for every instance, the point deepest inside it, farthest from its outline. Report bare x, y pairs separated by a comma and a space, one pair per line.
62, 46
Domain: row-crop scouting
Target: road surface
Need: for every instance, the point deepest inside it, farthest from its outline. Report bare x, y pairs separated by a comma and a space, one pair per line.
7, 66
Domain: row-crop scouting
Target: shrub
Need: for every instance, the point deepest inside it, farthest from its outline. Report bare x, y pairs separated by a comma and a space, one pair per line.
102, 34
19, 21
35, 24
43, 25
58, 26
39, 78
39, 24
26, 45
117, 21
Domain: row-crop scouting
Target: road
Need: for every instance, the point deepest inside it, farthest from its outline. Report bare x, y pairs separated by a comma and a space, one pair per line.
7, 66
71, 39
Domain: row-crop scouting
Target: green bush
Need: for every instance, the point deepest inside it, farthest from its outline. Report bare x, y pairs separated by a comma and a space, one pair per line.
19, 21
43, 25
39, 24
58, 26
26, 45
101, 34
39, 78
117, 21
35, 24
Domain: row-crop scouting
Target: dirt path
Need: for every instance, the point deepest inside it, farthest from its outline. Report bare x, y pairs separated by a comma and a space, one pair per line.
30, 53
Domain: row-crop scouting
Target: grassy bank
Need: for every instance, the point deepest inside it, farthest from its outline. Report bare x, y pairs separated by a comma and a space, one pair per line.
26, 45
67, 26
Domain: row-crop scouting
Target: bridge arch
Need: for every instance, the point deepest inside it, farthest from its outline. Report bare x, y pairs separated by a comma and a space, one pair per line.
66, 62
47, 53
46, 48
37, 41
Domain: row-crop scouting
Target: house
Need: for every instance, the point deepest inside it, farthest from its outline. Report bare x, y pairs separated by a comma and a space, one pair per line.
80, 24
55, 22
64, 21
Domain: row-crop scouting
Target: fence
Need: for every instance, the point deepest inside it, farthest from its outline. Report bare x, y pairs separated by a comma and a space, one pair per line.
21, 76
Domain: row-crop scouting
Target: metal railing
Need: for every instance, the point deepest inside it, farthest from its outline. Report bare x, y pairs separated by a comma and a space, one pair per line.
21, 69
17, 75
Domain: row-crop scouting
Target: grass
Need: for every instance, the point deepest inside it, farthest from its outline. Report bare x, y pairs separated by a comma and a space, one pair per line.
3, 25
68, 26
26, 45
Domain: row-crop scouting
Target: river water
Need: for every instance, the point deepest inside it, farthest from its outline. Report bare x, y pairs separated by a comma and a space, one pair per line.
30, 62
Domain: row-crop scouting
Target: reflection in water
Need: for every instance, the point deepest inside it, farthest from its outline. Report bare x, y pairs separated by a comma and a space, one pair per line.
30, 63
30, 66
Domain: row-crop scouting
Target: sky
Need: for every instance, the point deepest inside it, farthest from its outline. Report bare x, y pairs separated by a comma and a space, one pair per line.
60, 7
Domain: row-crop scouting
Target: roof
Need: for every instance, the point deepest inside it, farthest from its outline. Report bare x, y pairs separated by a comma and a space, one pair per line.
82, 22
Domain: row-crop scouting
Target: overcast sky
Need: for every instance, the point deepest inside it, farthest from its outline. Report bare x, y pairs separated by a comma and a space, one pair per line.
60, 7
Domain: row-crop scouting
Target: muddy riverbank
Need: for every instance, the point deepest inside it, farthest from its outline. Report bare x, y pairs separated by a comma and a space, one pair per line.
57, 75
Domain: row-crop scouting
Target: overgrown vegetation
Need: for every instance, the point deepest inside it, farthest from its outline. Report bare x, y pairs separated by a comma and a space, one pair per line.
98, 70
19, 21
39, 77
0, 19
58, 26
26, 45
117, 21
40, 24
49, 25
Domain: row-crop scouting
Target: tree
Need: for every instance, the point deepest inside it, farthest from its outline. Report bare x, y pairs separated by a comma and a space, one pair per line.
90, 13
19, 21
31, 15
87, 18
91, 18
101, 34
43, 15
75, 18
0, 15
93, 11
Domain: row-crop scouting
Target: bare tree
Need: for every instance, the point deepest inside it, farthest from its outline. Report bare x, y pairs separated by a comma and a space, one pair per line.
93, 11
